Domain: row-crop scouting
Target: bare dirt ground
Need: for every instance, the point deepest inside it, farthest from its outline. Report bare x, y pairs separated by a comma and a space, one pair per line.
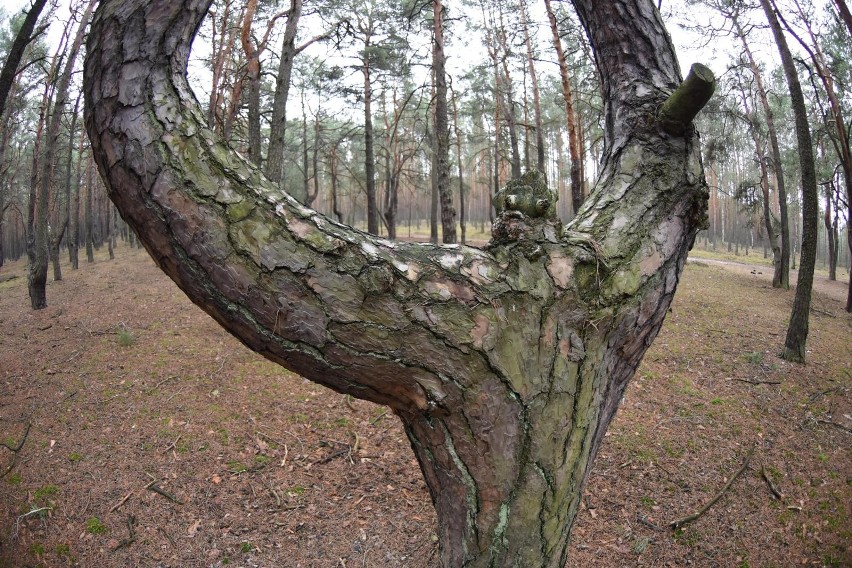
150, 437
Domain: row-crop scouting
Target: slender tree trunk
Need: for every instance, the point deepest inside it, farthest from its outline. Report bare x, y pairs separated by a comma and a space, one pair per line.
278, 123
574, 139
442, 129
830, 232
74, 221
505, 367
845, 14
47, 160
797, 331
771, 237
369, 155
843, 145
87, 213
16, 52
539, 130
252, 80
462, 204
781, 257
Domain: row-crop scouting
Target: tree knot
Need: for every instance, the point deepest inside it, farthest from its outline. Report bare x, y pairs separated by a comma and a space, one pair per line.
526, 211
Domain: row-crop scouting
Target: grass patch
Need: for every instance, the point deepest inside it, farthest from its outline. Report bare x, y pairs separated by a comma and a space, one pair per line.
95, 526
125, 337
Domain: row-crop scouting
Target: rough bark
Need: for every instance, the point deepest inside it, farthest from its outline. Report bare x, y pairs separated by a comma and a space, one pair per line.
797, 330
505, 365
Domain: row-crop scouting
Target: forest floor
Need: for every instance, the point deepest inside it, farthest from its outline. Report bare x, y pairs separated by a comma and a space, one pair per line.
147, 436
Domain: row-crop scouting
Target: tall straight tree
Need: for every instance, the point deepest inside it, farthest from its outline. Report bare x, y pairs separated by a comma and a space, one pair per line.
506, 364
37, 276
23, 38
574, 139
539, 130
781, 275
841, 141
797, 330
442, 127
274, 168
253, 51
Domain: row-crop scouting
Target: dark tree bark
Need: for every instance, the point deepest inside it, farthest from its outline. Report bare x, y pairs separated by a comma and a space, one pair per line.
797, 331
16, 52
505, 365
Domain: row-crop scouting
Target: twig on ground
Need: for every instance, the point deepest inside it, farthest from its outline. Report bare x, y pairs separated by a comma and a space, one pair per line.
20, 445
156, 489
168, 536
643, 521
24, 516
131, 520
120, 503
756, 382
173, 444
15, 451
152, 486
164, 381
347, 398
777, 494
836, 425
688, 519
375, 420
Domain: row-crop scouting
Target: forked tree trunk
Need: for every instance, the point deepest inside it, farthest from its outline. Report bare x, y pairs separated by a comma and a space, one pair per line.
506, 364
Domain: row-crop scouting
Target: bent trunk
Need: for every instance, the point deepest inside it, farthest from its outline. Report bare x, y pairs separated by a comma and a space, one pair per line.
505, 365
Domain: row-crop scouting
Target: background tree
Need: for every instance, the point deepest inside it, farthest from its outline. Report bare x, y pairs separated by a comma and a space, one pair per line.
797, 331
13, 58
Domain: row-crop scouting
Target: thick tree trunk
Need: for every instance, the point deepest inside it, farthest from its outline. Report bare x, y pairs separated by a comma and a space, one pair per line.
797, 331
505, 365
